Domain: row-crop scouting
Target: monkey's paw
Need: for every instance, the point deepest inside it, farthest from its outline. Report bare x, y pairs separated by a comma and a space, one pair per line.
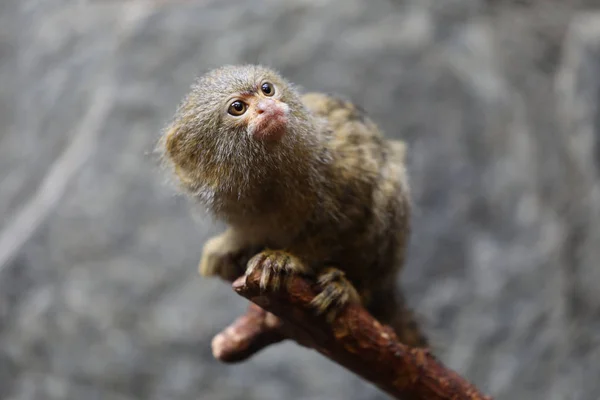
219, 259
337, 291
276, 265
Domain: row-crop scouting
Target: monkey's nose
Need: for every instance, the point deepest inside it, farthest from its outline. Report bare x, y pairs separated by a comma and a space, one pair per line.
265, 106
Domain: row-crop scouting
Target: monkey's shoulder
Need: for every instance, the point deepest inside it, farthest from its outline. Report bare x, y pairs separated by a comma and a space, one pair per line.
338, 111
356, 141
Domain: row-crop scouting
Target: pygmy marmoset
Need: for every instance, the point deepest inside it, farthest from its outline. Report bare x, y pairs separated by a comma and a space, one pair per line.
306, 184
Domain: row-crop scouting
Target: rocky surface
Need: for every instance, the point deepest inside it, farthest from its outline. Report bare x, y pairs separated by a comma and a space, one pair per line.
499, 101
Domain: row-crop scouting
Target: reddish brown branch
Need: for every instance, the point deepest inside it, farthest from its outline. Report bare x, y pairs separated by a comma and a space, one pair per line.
247, 335
354, 340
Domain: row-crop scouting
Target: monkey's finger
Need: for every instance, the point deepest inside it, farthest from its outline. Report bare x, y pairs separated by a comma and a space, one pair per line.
254, 263
331, 275
276, 280
265, 277
324, 299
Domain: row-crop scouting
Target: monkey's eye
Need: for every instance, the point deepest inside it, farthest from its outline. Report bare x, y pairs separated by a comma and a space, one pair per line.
237, 108
268, 89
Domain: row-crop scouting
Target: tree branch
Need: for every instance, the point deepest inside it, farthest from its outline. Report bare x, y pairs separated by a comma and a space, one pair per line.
247, 335
354, 340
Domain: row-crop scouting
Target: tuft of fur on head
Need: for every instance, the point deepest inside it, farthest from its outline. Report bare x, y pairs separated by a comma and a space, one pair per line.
215, 157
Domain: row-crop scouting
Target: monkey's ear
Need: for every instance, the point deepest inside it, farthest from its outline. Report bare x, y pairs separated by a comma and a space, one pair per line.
171, 141
171, 136
398, 150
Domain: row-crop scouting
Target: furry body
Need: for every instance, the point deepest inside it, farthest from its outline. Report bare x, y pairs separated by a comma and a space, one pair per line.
330, 198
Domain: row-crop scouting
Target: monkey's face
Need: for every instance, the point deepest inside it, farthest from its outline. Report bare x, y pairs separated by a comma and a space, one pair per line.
240, 104
260, 109
238, 125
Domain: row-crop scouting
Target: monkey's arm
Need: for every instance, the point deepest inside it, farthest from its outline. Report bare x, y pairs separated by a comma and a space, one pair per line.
223, 255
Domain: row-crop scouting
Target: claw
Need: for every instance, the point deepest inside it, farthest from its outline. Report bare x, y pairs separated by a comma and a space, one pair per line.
275, 265
276, 280
336, 292
254, 263
264, 278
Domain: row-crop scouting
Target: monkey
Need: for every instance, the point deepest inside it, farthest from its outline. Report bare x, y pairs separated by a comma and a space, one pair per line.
306, 184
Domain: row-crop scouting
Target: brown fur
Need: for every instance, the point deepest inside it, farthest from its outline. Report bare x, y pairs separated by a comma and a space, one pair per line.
332, 194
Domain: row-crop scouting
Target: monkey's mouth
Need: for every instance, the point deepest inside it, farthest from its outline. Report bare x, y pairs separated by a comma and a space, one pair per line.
271, 126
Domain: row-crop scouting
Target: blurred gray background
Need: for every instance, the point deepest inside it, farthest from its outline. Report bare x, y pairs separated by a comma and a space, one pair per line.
498, 100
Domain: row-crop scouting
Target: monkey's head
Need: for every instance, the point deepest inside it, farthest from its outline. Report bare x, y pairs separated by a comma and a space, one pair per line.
240, 127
